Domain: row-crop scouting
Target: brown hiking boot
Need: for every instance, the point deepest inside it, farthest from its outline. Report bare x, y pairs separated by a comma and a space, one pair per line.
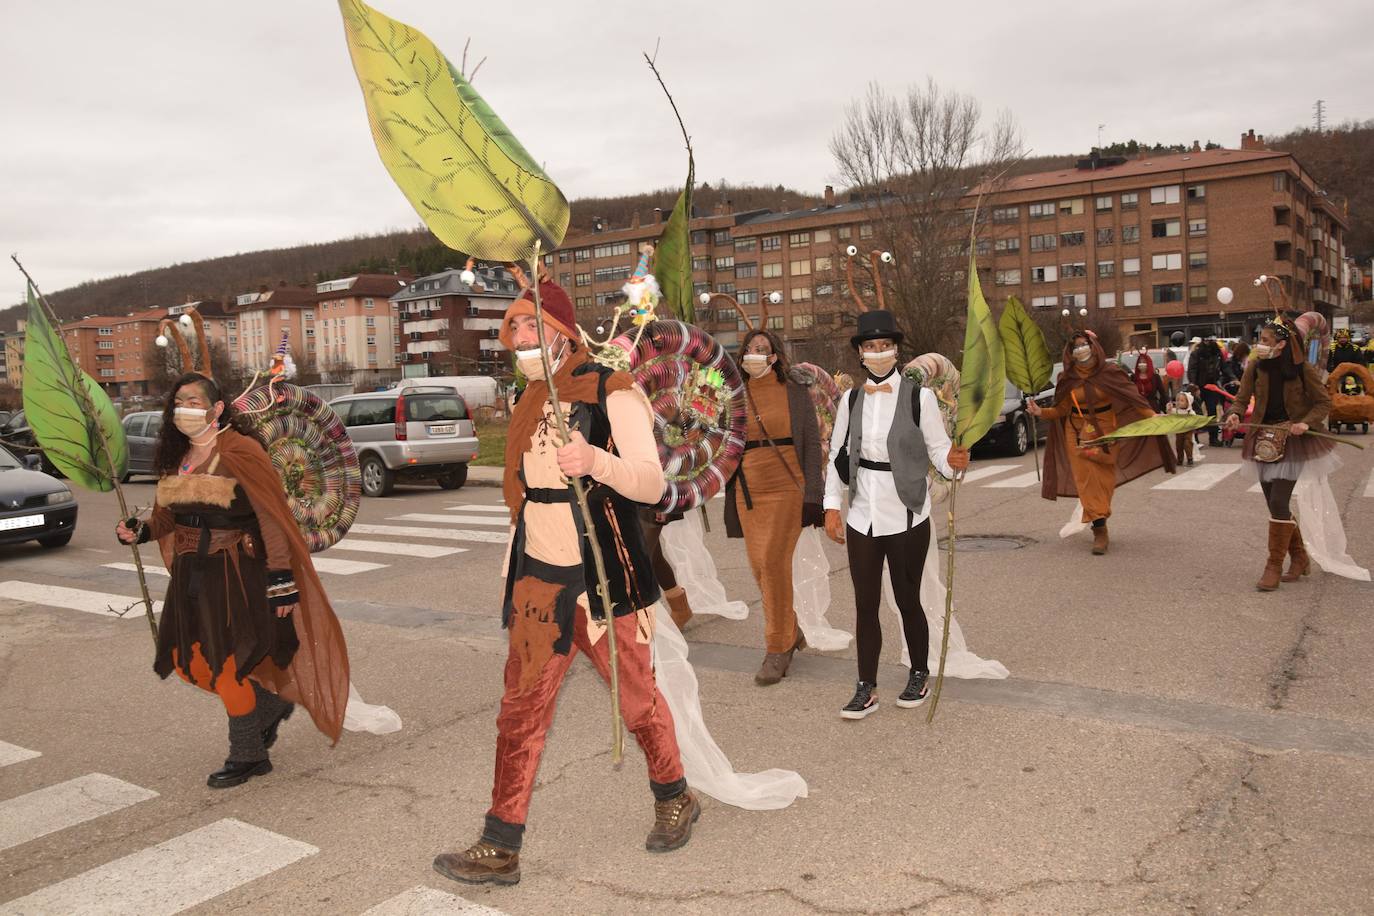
1099, 540
678, 607
1280, 534
775, 664
481, 863
673, 820
1301, 563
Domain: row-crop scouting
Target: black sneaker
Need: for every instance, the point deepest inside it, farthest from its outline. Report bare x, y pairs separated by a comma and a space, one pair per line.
864, 702
916, 690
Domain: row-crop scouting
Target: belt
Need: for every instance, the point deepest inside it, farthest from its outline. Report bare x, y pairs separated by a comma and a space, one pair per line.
760, 443
206, 533
875, 465
215, 520
548, 495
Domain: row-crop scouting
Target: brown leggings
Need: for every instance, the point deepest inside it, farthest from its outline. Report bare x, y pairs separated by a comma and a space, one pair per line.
237, 696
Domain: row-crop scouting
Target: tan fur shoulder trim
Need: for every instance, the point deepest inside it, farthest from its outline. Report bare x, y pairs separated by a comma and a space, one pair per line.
201, 489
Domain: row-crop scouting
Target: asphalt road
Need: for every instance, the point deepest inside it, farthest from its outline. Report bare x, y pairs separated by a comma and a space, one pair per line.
1169, 739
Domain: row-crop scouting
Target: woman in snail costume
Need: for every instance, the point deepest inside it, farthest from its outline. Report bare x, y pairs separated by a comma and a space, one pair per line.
245, 617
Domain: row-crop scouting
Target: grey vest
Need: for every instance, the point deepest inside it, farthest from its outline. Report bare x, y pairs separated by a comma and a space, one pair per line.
906, 447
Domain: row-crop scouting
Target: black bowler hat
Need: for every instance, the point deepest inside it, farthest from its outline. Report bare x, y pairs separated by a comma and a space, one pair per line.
875, 325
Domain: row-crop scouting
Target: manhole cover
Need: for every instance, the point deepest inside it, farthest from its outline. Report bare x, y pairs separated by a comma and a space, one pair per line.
981, 542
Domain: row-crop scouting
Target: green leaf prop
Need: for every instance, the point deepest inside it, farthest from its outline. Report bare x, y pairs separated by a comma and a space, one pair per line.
673, 260
1028, 361
982, 376
66, 424
467, 176
1163, 425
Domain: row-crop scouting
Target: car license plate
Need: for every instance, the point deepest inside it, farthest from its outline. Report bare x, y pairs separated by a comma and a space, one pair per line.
445, 430
22, 521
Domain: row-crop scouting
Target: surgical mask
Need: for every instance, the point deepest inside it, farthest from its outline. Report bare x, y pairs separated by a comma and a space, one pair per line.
192, 421
756, 364
1264, 351
1083, 354
881, 362
532, 365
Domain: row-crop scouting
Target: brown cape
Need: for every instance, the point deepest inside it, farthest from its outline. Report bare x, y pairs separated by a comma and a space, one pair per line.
1108, 383
317, 677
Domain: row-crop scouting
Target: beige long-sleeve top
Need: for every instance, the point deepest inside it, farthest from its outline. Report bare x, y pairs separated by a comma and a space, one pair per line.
634, 472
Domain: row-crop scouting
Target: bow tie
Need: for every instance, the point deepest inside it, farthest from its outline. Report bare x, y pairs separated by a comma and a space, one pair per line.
870, 388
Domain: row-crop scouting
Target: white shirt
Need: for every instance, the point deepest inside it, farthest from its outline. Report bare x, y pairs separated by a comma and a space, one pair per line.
876, 509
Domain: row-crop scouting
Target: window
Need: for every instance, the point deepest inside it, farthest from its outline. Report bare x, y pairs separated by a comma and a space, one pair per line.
743, 245
775, 322
865, 230
1106, 236
105, 345
748, 297
1044, 302
721, 237
309, 333
701, 263
368, 304
825, 289
564, 257
844, 233
1197, 260
1104, 202
233, 325
583, 302
727, 316
1166, 194
1071, 207
1073, 269
772, 243
1012, 244
1130, 200
371, 322
1130, 234
699, 288
801, 294
565, 280
1074, 300
1008, 277
1168, 292
823, 264
611, 250
745, 271
1197, 227
613, 298
1106, 269
1130, 297
802, 322
1043, 242
1164, 228
372, 357
798, 239
233, 340
1046, 274
1280, 181
371, 340
1070, 239
1041, 211
1173, 261
726, 263
699, 236
1197, 191
984, 246
284, 313
1006, 214
582, 254
584, 279
820, 237
1106, 300
1130, 266
772, 271
1197, 295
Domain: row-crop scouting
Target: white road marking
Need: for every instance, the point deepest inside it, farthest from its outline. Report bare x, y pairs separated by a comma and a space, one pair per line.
1202, 477
477, 507
451, 519
429, 901
1255, 489
1027, 479
438, 534
986, 470
13, 753
1369, 487
64, 805
170, 877
343, 567
396, 548
147, 570
75, 599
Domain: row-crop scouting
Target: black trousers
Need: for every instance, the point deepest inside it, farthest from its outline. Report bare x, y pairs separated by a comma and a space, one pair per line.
1211, 400
905, 555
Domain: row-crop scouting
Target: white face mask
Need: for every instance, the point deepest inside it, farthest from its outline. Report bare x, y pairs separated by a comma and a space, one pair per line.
532, 366
881, 362
193, 422
1264, 351
757, 364
1083, 354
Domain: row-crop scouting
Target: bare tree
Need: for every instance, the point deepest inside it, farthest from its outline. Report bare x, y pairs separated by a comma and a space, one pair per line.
915, 159
164, 365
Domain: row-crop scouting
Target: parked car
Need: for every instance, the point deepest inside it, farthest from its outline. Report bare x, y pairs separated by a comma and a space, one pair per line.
17, 435
413, 433
33, 506
141, 429
1012, 431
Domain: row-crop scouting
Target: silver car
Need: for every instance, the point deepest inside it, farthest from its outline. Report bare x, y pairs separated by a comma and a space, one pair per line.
414, 433
141, 429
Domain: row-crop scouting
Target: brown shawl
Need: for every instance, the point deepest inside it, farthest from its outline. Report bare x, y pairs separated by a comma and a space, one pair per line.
573, 387
1105, 383
317, 677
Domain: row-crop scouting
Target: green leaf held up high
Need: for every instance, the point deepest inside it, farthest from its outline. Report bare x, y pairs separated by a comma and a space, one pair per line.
1028, 361
982, 377
673, 259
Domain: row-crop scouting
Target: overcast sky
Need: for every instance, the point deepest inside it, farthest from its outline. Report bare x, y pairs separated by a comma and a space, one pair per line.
142, 133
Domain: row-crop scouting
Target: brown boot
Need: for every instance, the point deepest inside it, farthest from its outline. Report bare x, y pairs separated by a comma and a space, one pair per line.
1280, 534
483, 862
673, 820
775, 664
1099, 540
1301, 564
678, 607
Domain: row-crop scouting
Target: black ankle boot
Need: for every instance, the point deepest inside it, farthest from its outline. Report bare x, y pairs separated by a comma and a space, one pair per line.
247, 755
237, 772
272, 711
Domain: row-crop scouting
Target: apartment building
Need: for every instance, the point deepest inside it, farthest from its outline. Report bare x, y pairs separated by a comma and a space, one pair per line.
451, 327
262, 317
357, 326
12, 356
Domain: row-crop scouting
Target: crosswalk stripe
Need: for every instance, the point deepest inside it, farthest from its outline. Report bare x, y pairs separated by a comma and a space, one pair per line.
1202, 477
438, 534
322, 564
428, 901
148, 569
477, 507
13, 753
170, 877
986, 470
1027, 479
1255, 489
451, 519
64, 805
1369, 487
396, 548
75, 599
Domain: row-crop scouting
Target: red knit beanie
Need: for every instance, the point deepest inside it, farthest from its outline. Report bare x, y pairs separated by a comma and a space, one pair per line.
558, 311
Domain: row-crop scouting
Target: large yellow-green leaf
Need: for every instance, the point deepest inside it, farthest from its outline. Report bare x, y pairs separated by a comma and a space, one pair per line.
673, 259
1028, 361
1162, 425
467, 176
982, 376
67, 409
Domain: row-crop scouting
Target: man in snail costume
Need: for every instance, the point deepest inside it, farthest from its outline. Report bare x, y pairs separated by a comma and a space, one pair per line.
552, 609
